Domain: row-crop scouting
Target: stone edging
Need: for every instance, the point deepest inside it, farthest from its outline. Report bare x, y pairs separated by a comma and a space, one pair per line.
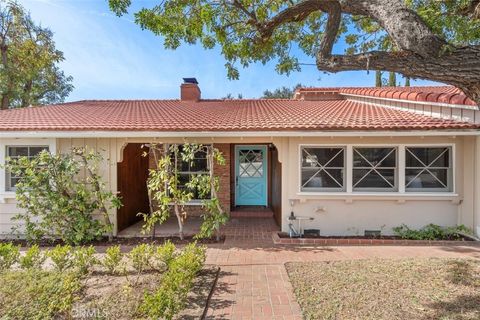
368, 242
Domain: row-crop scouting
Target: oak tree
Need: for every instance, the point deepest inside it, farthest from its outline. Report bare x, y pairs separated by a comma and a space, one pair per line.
29, 72
429, 39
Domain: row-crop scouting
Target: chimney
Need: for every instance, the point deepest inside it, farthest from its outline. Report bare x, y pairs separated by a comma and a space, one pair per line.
189, 90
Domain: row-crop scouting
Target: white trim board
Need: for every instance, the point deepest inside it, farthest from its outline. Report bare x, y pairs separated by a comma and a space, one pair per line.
222, 134
425, 103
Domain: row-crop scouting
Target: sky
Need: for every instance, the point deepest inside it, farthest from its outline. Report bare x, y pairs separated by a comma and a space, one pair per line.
112, 58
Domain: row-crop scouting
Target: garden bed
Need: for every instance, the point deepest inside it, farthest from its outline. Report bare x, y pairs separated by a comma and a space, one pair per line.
148, 282
388, 289
283, 238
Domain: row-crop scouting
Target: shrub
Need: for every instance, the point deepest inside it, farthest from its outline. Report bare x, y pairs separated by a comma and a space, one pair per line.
431, 232
9, 255
171, 297
164, 255
84, 259
140, 257
112, 259
59, 201
62, 257
33, 258
166, 192
36, 294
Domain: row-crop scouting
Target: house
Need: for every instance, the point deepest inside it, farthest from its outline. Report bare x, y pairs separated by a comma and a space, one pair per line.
354, 159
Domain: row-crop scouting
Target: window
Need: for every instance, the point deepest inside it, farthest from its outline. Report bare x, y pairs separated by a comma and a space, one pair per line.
250, 163
187, 169
428, 169
15, 152
374, 169
323, 169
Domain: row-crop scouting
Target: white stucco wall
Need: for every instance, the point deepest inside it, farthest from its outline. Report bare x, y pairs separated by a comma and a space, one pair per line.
353, 213
334, 214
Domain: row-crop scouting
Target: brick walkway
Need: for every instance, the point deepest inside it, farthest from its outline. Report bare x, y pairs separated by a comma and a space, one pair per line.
253, 282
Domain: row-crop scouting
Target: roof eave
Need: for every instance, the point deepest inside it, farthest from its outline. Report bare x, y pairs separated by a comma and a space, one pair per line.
218, 134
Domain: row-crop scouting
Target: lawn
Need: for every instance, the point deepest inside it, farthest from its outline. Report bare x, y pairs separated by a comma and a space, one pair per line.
388, 289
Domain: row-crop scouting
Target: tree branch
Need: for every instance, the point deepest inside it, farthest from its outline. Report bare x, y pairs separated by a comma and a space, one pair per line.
445, 68
331, 30
294, 13
471, 10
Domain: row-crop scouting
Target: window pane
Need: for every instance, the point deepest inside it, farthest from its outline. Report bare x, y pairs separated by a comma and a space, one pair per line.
36, 150
18, 152
433, 157
314, 178
199, 165
251, 163
330, 157
323, 169
366, 178
433, 178
369, 157
13, 183
428, 169
374, 168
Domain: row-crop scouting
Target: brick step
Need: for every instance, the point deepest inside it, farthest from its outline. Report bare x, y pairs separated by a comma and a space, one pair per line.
251, 214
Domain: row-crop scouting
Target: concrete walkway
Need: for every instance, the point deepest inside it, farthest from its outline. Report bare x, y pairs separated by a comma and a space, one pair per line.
253, 283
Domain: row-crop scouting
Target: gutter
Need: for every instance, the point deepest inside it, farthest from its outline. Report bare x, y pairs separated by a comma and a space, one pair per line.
223, 134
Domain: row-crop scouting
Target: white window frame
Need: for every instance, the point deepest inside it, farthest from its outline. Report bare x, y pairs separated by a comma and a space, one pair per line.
450, 172
394, 149
401, 147
344, 168
30, 142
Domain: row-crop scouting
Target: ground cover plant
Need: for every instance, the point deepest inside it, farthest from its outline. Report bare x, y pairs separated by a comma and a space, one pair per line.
432, 232
419, 288
148, 282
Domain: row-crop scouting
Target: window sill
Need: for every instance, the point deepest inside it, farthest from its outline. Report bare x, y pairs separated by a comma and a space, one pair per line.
192, 203
441, 194
399, 197
6, 195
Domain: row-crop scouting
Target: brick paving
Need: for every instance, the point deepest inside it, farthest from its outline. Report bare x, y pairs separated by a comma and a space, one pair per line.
253, 282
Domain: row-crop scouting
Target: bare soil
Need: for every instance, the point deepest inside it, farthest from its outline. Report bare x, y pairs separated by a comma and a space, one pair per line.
388, 289
118, 297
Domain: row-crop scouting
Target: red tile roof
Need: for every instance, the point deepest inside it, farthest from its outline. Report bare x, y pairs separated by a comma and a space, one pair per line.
439, 94
219, 115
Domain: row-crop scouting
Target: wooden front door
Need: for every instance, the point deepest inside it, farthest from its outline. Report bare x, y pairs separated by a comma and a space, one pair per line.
132, 185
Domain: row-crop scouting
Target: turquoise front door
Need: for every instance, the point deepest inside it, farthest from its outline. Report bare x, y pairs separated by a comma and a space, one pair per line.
251, 175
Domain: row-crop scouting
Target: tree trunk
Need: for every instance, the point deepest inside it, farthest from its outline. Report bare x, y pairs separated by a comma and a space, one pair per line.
5, 103
180, 220
27, 90
392, 79
378, 78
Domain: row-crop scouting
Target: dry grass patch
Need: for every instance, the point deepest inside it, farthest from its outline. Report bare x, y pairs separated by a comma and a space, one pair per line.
388, 289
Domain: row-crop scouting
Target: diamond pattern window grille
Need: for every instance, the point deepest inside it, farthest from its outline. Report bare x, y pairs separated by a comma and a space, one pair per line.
251, 163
